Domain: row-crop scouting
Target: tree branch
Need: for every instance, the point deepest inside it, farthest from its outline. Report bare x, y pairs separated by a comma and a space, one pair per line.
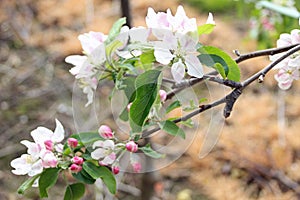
266, 52
231, 98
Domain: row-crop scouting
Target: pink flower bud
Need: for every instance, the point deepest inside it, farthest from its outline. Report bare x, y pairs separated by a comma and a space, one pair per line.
49, 160
105, 132
77, 160
75, 168
49, 145
115, 169
72, 142
162, 95
136, 167
131, 146
128, 106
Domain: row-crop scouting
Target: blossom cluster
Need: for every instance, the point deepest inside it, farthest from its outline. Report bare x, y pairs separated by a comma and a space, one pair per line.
172, 38
44, 152
288, 69
47, 151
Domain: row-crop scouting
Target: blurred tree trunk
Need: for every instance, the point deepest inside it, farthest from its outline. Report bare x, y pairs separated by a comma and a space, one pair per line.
126, 12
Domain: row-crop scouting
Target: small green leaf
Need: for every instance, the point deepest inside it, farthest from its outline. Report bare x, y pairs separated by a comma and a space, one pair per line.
84, 177
219, 68
150, 152
108, 179
205, 29
202, 100
74, 191
47, 180
103, 173
172, 129
188, 123
147, 59
214, 53
27, 184
172, 106
115, 30
87, 138
147, 85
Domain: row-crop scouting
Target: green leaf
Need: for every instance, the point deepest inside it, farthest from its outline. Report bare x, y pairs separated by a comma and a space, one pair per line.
205, 29
84, 177
147, 85
108, 179
172, 106
220, 69
212, 55
27, 184
147, 59
112, 47
103, 173
188, 123
74, 191
47, 180
87, 138
129, 91
150, 152
172, 129
115, 30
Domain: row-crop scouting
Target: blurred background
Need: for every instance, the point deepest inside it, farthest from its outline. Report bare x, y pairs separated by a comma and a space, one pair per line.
258, 153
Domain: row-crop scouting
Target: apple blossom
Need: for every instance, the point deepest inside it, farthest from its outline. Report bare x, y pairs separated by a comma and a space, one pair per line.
75, 168
136, 166
105, 132
72, 142
178, 23
289, 67
181, 51
77, 160
115, 169
286, 76
105, 152
162, 95
131, 146
49, 160
27, 164
49, 145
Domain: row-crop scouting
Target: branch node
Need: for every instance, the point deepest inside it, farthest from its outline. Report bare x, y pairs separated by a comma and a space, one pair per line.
230, 100
261, 78
236, 52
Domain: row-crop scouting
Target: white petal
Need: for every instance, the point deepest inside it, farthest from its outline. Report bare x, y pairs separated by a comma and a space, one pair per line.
109, 144
295, 62
98, 143
98, 153
178, 71
33, 148
41, 134
59, 132
194, 67
20, 164
163, 56
36, 168
210, 19
109, 159
90, 95
75, 60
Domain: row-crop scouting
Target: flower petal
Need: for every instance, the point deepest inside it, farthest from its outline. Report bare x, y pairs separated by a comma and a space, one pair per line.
98, 153
178, 71
194, 67
162, 55
59, 132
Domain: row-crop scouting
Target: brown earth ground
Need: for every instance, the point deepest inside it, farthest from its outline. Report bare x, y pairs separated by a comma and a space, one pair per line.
257, 156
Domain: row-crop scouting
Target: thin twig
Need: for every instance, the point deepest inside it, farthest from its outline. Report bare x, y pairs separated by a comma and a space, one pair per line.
266, 52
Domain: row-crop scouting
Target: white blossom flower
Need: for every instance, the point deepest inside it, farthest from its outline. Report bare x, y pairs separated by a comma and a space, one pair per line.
104, 152
181, 51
